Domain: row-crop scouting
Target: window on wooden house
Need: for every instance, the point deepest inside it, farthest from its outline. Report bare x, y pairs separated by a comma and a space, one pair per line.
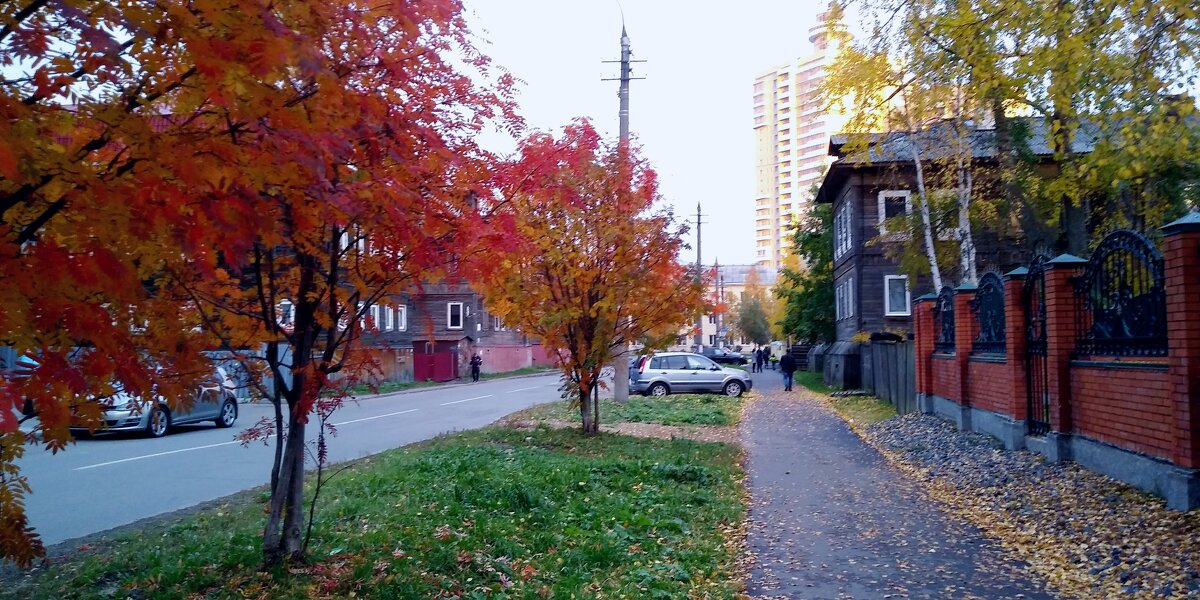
842, 230
454, 315
286, 313
897, 301
893, 203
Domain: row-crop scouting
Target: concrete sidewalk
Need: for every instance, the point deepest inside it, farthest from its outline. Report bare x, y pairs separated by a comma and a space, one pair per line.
829, 518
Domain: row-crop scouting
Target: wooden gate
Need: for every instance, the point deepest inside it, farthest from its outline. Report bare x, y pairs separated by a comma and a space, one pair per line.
1037, 376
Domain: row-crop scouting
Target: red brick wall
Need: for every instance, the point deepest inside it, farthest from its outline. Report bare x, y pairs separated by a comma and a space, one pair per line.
989, 389
1129, 408
1181, 254
923, 338
1014, 347
1155, 411
945, 376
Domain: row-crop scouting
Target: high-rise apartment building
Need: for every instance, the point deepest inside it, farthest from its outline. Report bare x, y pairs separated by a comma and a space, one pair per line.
791, 134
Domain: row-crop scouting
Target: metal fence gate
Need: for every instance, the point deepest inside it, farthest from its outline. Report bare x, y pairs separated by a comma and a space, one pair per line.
1036, 375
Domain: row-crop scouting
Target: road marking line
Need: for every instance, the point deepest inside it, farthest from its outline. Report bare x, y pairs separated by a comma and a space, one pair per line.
467, 400
523, 389
124, 460
403, 412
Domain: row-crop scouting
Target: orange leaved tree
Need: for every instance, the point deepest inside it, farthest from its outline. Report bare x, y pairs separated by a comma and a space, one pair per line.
173, 174
593, 265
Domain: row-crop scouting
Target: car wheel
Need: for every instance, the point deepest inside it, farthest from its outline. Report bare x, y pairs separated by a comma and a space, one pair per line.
734, 388
228, 413
659, 389
160, 422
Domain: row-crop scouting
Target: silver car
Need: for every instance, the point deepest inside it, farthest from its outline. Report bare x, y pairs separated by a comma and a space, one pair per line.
686, 373
214, 401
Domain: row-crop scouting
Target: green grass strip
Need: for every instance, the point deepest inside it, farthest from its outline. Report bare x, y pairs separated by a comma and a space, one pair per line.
494, 513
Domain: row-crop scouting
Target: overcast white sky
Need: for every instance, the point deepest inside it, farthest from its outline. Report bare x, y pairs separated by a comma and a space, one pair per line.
692, 113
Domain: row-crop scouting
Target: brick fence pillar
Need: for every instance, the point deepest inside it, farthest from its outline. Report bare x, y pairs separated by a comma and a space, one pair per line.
1016, 387
965, 330
1181, 259
1061, 334
922, 349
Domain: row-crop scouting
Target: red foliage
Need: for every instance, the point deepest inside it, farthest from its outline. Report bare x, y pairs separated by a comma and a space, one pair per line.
147, 172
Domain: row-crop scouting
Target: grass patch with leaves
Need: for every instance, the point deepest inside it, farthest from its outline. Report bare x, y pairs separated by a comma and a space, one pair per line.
859, 410
495, 513
862, 410
676, 409
812, 381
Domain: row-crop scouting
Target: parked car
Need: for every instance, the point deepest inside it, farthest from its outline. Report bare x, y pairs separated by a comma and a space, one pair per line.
214, 401
15, 367
722, 356
686, 372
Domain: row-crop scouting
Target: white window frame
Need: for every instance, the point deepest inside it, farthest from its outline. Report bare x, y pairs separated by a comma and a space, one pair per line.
402, 317
838, 292
882, 205
462, 315
287, 313
842, 231
850, 298
907, 312
389, 321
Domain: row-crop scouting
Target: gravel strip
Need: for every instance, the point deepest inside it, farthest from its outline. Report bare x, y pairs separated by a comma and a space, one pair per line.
1088, 535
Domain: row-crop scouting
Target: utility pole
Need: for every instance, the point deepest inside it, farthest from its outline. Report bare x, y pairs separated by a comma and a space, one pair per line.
621, 368
699, 340
626, 76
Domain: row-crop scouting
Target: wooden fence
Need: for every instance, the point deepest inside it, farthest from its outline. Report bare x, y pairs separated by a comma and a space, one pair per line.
889, 373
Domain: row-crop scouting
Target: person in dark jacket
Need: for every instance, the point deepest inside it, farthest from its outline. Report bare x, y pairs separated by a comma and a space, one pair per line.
787, 364
476, 363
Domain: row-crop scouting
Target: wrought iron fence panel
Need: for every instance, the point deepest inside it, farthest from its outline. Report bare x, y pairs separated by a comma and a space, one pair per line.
1122, 299
1037, 382
943, 321
988, 308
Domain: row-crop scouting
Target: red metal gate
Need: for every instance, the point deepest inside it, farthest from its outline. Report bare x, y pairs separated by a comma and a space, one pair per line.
435, 366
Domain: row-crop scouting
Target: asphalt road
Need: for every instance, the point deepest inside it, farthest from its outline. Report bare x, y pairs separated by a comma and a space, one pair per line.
113, 480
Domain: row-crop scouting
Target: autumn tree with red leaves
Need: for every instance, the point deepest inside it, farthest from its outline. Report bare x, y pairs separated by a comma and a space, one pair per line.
170, 173
593, 265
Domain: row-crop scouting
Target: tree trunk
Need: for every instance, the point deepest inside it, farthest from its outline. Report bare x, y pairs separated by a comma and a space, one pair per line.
1073, 215
930, 250
966, 247
585, 410
272, 534
277, 391
1031, 222
293, 520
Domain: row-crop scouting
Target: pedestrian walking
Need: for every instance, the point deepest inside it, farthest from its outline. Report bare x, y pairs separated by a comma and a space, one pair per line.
758, 360
787, 364
476, 363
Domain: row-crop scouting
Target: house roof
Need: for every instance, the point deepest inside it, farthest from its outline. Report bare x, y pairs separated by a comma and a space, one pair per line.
887, 149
